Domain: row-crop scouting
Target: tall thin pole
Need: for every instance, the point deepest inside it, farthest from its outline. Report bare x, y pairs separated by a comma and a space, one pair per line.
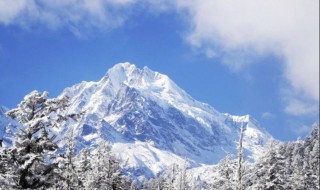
240, 161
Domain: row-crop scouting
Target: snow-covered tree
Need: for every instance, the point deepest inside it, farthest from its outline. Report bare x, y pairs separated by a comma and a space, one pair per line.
298, 158
33, 151
32, 157
69, 178
286, 149
171, 177
226, 178
134, 185
83, 167
183, 183
315, 157
153, 183
197, 183
275, 176
6, 179
311, 159
106, 172
144, 183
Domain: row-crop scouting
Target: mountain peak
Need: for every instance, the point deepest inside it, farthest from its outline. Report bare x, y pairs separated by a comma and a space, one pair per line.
121, 71
122, 67
128, 74
150, 84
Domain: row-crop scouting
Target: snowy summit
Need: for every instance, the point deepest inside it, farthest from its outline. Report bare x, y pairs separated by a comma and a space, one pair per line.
152, 123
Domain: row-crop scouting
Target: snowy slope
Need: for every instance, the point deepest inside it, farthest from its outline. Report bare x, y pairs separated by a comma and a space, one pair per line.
3, 121
8, 127
153, 123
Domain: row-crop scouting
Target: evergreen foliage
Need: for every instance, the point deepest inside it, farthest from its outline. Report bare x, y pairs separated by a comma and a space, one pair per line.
33, 162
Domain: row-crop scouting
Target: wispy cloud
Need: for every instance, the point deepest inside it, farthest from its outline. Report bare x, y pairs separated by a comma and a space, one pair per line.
302, 130
267, 115
297, 107
10, 9
287, 28
75, 15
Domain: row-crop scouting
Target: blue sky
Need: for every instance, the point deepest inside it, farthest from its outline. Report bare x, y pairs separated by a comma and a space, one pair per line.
251, 60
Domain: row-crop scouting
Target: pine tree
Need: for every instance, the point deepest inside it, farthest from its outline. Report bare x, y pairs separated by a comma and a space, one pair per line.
6, 179
311, 144
298, 158
292, 165
314, 154
273, 170
276, 178
288, 154
144, 184
106, 172
99, 178
226, 170
83, 167
153, 183
32, 152
284, 150
126, 180
182, 183
172, 174
32, 156
66, 167
134, 185
197, 183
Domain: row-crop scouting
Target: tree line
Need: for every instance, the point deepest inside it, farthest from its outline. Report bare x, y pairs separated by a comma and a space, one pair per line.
35, 161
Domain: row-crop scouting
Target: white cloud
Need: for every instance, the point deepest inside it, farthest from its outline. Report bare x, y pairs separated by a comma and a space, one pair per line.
210, 53
267, 115
302, 130
237, 31
286, 28
296, 107
299, 103
10, 9
74, 14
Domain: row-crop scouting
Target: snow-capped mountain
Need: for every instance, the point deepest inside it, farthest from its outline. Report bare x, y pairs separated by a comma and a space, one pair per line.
152, 123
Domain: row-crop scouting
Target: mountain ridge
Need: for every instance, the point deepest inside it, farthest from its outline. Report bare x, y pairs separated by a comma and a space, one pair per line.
146, 111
